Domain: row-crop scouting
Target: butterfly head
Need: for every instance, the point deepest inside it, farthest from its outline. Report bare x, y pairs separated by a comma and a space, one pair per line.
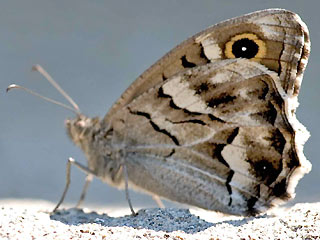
82, 129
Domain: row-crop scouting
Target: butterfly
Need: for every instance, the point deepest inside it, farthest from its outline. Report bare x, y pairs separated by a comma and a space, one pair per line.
211, 124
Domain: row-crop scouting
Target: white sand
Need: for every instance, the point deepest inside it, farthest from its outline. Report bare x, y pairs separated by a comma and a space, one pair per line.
28, 220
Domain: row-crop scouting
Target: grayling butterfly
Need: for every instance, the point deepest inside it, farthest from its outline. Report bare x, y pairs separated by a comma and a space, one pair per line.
212, 123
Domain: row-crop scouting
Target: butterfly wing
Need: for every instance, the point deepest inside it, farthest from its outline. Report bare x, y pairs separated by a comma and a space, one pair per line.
207, 127
285, 42
217, 136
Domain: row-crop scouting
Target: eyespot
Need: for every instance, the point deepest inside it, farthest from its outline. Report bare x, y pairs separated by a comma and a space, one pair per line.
246, 45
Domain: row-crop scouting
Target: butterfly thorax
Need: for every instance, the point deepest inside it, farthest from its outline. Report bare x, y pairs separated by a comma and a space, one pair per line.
95, 139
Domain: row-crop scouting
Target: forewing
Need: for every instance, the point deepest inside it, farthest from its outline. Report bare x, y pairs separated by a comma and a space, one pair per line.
285, 50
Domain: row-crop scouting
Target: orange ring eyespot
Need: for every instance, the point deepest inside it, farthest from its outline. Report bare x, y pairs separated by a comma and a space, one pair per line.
246, 45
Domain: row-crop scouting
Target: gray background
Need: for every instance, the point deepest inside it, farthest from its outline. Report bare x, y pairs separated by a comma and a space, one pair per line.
95, 49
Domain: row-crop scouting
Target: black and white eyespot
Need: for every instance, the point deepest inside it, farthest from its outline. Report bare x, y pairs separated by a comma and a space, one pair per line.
246, 45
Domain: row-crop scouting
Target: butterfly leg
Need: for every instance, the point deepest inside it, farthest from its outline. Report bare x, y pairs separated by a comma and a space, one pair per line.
83, 168
157, 199
85, 189
125, 173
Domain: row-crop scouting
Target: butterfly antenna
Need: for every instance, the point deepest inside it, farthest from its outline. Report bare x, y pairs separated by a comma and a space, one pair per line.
44, 73
14, 86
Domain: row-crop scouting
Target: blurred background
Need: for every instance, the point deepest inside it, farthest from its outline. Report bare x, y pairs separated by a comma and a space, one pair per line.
94, 50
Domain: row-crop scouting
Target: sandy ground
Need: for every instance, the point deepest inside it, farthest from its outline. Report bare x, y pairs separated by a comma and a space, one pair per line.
31, 219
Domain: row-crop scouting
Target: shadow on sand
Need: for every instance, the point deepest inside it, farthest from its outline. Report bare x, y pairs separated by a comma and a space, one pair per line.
157, 219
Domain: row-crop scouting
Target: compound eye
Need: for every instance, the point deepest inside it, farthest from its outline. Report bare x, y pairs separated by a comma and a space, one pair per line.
246, 45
